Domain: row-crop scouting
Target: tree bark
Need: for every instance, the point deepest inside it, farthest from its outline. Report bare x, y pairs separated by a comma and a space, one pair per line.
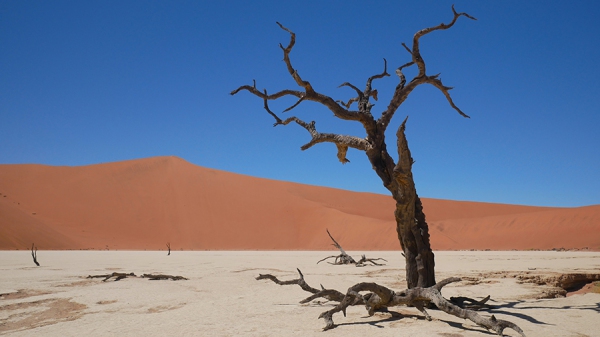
412, 229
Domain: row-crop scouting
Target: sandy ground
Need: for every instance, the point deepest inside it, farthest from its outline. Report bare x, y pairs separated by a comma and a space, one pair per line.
222, 297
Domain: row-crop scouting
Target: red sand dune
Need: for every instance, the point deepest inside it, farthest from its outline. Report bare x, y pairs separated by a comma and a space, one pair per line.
143, 204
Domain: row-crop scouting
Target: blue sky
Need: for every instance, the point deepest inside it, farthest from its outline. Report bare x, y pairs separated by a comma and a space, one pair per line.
85, 82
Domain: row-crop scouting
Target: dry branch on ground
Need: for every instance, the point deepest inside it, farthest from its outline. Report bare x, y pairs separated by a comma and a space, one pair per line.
151, 277
117, 276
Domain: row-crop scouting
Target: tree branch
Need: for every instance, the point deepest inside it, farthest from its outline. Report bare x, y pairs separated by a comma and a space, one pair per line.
309, 92
402, 91
416, 53
299, 281
342, 142
368, 91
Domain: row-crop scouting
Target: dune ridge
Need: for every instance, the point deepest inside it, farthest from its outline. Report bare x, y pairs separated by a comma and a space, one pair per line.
144, 203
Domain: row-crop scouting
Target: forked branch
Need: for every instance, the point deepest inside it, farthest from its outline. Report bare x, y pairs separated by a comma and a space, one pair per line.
299, 281
403, 90
308, 94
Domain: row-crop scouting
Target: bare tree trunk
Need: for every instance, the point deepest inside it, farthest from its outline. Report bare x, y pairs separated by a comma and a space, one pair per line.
412, 229
413, 232
414, 239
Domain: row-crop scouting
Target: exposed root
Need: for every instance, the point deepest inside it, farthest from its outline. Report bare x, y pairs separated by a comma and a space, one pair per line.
379, 298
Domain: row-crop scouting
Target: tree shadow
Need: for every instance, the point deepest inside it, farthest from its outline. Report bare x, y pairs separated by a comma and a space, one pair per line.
396, 316
522, 305
461, 326
594, 307
497, 309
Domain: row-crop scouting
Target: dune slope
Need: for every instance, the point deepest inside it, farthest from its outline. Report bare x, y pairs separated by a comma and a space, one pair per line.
145, 203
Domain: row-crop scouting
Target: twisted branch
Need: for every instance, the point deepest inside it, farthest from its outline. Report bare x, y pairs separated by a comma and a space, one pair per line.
416, 53
402, 91
299, 281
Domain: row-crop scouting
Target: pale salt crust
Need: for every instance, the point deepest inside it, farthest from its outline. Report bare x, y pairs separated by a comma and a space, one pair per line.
222, 297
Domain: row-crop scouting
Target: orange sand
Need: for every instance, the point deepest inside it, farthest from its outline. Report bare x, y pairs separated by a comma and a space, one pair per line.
143, 204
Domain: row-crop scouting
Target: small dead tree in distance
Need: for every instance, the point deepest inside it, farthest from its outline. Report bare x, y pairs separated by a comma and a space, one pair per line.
412, 229
34, 254
344, 258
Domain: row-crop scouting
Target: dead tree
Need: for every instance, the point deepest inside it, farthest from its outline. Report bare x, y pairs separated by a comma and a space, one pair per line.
379, 298
412, 229
344, 258
34, 254
169, 248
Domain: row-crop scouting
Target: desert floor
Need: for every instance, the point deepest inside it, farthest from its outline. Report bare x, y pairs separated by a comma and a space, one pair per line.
222, 297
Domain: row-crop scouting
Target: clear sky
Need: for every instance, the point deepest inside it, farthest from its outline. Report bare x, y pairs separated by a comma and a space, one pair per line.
86, 82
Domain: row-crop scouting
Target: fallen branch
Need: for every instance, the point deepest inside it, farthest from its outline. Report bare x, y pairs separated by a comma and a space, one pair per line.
117, 276
151, 277
154, 277
363, 261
